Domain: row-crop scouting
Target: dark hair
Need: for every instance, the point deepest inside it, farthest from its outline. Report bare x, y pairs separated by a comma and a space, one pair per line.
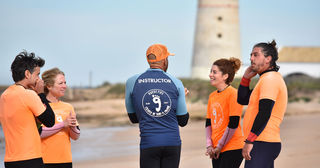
228, 66
24, 61
270, 49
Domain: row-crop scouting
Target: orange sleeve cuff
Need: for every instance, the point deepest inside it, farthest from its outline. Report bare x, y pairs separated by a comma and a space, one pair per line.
245, 82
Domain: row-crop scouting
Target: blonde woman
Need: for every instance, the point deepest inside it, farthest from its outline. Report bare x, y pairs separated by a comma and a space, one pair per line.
56, 145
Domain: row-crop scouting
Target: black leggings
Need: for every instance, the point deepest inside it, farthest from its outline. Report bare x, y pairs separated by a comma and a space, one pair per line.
228, 159
263, 154
58, 165
160, 157
32, 163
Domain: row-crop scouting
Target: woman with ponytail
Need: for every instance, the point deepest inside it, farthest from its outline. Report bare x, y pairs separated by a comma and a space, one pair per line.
223, 132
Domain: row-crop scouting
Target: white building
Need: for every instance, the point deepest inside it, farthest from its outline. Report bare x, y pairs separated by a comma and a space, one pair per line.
297, 60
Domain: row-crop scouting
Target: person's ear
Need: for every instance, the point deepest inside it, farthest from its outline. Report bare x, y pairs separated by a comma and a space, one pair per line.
48, 87
268, 58
27, 74
225, 77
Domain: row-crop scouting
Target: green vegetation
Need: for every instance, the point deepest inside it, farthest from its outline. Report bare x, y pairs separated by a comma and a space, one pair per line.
3, 88
299, 99
201, 89
116, 91
104, 84
302, 83
300, 88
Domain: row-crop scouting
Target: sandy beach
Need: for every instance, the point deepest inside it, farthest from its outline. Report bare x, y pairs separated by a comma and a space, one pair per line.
299, 134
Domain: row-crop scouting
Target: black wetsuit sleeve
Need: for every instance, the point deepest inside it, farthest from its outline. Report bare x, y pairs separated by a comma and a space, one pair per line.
183, 119
133, 117
243, 95
47, 117
234, 122
208, 122
262, 118
40, 130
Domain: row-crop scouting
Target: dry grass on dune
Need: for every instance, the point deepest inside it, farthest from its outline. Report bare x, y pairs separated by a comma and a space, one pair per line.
108, 112
101, 112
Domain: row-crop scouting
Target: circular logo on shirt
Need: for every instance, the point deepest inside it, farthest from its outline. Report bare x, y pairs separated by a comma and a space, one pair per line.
217, 115
156, 102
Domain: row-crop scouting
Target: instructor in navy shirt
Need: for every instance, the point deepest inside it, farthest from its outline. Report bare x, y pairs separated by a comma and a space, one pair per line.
156, 100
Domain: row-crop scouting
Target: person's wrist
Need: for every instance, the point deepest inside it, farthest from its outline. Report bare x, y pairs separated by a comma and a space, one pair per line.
65, 124
219, 146
248, 142
246, 76
245, 81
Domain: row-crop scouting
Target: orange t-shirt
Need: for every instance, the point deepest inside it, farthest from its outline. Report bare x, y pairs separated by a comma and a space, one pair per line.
18, 109
220, 107
270, 86
57, 148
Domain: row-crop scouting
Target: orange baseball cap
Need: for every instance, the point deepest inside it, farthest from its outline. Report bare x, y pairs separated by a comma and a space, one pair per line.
160, 51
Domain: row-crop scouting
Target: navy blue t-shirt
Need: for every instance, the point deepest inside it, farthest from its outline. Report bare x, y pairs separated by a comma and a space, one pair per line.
157, 98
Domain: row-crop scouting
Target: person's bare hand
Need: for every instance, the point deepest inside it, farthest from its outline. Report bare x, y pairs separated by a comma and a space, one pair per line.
186, 91
38, 87
71, 120
246, 151
216, 152
209, 152
249, 73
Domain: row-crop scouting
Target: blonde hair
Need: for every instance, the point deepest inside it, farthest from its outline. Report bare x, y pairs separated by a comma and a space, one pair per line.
49, 77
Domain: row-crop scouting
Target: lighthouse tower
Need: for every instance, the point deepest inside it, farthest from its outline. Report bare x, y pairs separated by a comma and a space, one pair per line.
217, 35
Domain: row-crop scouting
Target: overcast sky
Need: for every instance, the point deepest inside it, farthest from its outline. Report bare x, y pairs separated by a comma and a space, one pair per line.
109, 37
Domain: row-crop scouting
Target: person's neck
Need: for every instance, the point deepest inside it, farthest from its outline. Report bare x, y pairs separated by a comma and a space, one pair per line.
52, 98
23, 84
266, 70
157, 67
222, 87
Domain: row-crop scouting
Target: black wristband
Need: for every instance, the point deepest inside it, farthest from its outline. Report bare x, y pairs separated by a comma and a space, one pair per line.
248, 142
